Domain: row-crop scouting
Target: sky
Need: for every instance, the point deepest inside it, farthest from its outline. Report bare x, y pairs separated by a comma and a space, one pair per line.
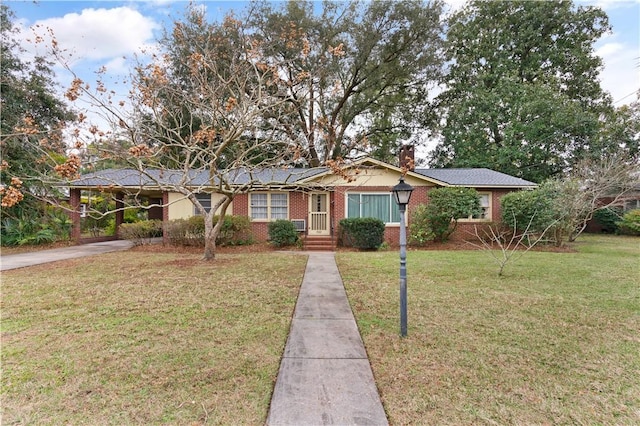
110, 33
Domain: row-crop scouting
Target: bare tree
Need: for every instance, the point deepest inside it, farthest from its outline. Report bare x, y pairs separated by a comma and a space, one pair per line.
505, 245
593, 185
197, 126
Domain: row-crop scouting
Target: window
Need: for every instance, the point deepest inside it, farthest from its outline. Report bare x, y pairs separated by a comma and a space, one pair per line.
485, 206
268, 206
631, 205
205, 201
380, 206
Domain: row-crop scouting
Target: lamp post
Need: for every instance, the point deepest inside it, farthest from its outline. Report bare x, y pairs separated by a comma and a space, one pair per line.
402, 194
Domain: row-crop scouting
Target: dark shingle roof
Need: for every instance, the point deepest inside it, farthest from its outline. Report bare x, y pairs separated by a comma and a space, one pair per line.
475, 178
154, 177
281, 176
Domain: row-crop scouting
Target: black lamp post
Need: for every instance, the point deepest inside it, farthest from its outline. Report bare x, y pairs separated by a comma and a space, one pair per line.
402, 194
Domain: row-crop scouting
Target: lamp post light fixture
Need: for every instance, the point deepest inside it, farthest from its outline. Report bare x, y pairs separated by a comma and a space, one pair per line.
402, 194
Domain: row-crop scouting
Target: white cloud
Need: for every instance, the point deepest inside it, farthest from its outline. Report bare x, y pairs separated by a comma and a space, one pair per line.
608, 5
101, 34
608, 50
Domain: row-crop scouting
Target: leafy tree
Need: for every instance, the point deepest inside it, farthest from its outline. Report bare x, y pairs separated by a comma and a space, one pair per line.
620, 134
356, 74
32, 117
439, 218
522, 94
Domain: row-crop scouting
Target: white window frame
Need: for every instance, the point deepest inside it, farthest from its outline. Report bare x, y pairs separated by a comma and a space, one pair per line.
269, 206
632, 204
487, 210
392, 203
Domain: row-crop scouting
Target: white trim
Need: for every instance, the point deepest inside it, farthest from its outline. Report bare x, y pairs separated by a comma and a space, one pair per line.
268, 206
489, 210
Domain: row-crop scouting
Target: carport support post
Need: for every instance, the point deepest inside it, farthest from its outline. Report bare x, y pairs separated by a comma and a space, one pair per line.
74, 201
119, 212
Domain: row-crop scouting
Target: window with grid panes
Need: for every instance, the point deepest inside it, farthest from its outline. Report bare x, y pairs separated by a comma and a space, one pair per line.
269, 206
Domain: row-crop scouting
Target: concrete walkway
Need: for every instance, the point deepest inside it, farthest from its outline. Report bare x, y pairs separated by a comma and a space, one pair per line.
22, 260
325, 377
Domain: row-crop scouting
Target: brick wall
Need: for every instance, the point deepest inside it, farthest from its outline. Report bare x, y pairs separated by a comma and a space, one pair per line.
391, 232
299, 204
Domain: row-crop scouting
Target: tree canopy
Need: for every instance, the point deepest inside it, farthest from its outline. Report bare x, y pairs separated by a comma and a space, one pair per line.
522, 92
356, 74
32, 118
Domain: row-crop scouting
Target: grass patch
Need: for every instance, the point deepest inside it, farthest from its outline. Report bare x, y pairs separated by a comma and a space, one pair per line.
146, 338
554, 341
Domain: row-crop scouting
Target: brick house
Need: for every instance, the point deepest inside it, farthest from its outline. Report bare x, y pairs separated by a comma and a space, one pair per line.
314, 199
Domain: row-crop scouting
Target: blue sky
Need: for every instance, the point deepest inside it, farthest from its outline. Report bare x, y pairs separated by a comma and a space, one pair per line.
109, 33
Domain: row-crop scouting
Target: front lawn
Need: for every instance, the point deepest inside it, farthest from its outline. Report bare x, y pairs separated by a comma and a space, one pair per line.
140, 337
554, 341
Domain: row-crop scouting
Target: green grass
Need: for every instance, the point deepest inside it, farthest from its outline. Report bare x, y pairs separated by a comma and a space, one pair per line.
554, 341
163, 338
146, 338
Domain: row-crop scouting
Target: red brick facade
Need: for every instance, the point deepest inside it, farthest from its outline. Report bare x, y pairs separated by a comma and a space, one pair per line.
299, 205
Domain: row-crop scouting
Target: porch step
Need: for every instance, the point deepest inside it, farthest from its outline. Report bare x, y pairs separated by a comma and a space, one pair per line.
316, 243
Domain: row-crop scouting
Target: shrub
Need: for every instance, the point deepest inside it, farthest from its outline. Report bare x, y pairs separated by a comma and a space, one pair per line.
365, 233
419, 231
236, 230
535, 207
141, 232
438, 219
630, 223
184, 232
282, 233
608, 219
41, 227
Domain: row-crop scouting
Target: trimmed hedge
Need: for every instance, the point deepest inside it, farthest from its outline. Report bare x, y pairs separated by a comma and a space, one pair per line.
366, 233
141, 232
236, 230
282, 233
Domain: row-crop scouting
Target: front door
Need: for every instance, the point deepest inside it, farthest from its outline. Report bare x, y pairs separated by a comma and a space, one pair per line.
319, 213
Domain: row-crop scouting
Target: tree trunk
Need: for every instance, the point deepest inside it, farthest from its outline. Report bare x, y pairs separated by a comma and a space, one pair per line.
210, 237
211, 232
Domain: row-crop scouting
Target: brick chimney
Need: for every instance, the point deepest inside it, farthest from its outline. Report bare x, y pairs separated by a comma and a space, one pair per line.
407, 157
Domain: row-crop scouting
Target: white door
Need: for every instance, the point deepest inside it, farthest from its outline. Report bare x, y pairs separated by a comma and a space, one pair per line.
319, 213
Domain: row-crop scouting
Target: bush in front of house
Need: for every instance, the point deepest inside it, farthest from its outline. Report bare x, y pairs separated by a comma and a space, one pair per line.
141, 232
236, 230
630, 223
282, 233
438, 219
608, 219
420, 232
528, 210
366, 233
